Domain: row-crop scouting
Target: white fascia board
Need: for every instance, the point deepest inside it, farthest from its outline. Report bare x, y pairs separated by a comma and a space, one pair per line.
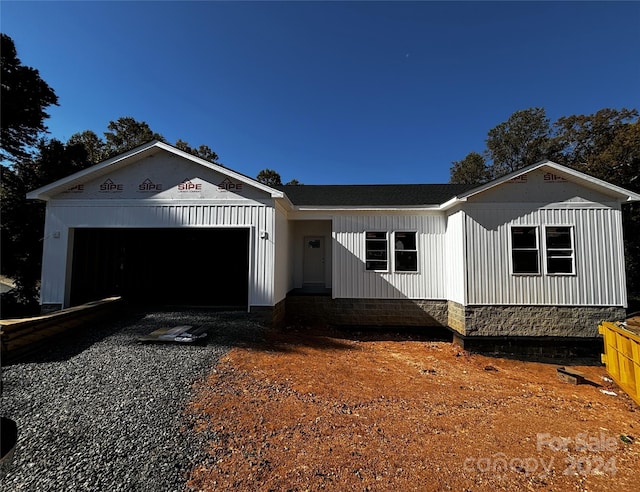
45, 192
590, 181
451, 203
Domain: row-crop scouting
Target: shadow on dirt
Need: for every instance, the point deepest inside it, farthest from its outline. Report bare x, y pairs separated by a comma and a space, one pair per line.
289, 341
346, 337
554, 361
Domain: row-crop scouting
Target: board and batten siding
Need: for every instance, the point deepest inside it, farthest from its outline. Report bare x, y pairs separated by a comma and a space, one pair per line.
455, 258
351, 280
598, 253
63, 217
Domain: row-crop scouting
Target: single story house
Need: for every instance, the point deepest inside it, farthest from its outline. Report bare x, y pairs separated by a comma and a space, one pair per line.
538, 252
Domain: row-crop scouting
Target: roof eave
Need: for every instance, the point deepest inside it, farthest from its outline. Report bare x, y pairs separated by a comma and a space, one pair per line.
449, 204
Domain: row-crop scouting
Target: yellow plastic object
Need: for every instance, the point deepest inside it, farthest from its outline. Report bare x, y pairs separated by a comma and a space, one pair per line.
622, 357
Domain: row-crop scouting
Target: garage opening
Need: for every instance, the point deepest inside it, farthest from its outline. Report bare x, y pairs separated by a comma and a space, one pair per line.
189, 267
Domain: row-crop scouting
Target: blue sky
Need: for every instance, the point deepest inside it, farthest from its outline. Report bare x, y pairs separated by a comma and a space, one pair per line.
328, 92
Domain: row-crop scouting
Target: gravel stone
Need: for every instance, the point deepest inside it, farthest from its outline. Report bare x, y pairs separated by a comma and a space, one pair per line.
101, 411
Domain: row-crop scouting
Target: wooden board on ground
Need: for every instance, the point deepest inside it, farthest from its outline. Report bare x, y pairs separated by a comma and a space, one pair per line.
570, 375
180, 334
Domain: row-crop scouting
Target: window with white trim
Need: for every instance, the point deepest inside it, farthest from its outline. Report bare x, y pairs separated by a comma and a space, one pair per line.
525, 254
406, 251
376, 251
559, 249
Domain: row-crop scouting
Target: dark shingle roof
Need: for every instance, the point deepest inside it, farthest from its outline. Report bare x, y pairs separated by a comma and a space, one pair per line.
372, 195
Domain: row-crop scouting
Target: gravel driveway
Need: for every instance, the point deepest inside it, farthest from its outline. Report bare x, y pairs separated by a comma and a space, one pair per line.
104, 412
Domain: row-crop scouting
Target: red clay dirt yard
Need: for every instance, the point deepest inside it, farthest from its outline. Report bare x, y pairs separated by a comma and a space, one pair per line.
337, 411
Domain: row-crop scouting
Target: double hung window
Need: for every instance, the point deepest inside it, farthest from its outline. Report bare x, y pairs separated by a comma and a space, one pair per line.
525, 255
406, 252
559, 243
558, 250
376, 251
403, 250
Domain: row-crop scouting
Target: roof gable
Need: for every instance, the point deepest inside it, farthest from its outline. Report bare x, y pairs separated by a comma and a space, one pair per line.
105, 176
554, 173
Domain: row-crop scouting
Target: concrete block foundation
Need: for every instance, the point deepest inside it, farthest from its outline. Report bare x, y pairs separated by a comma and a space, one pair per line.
530, 321
314, 310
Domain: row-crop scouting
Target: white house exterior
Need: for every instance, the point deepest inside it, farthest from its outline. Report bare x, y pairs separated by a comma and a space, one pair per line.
537, 252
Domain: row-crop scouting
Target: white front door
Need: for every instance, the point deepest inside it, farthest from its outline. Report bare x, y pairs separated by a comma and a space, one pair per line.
313, 260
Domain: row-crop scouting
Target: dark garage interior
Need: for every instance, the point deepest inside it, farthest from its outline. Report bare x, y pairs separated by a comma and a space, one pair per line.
178, 266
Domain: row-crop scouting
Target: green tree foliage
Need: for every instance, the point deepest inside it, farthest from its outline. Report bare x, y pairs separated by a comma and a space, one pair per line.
472, 169
24, 97
522, 140
204, 152
125, 134
92, 144
605, 144
269, 177
619, 162
272, 178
